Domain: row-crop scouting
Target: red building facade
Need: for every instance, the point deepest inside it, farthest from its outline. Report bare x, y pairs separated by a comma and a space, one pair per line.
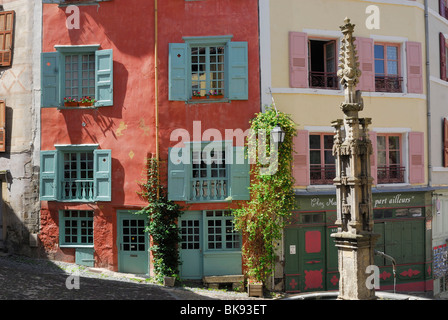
93, 157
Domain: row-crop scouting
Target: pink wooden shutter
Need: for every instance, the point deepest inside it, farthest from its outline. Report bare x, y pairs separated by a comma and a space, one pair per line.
445, 142
414, 67
443, 74
2, 126
298, 60
373, 166
366, 64
301, 166
442, 9
416, 157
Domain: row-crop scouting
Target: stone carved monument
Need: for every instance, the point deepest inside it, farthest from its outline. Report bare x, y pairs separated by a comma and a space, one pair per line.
352, 149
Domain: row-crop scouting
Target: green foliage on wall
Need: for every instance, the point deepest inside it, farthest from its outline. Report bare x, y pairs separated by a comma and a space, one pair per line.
262, 219
162, 223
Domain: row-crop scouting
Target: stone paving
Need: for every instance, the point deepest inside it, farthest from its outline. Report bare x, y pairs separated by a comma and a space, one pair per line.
23, 278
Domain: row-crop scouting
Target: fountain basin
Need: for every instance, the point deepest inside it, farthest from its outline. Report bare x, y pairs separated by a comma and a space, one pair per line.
333, 295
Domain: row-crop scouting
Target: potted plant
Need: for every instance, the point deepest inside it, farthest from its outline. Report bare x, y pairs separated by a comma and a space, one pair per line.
70, 102
197, 95
87, 101
254, 288
216, 94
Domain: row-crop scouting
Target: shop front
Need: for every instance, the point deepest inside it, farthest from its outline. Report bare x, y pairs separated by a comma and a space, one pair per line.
401, 218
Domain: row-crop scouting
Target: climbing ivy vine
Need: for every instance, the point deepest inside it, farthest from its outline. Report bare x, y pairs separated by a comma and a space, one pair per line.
262, 219
162, 223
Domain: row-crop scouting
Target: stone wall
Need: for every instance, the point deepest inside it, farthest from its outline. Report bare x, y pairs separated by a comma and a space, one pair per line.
19, 87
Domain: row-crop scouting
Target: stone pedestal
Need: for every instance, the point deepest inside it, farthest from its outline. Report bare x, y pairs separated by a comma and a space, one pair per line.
355, 254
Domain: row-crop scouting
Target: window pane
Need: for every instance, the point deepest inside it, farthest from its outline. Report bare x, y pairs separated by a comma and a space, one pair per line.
392, 53
379, 51
394, 142
328, 142
394, 157
314, 142
381, 158
379, 66
381, 143
314, 157
329, 159
392, 67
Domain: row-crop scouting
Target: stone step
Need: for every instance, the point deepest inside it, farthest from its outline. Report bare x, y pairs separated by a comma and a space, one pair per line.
215, 281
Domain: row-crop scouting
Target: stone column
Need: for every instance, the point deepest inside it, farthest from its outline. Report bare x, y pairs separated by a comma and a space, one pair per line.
352, 149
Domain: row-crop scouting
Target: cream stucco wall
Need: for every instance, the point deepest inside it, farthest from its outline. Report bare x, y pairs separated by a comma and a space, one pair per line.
400, 21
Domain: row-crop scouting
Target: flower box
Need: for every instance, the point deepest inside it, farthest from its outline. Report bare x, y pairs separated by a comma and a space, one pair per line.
217, 96
255, 289
86, 104
198, 98
70, 104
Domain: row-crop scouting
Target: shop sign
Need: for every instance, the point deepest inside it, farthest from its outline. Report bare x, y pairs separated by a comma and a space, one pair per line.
391, 200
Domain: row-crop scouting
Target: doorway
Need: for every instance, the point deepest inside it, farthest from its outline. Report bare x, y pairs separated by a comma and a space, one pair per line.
132, 242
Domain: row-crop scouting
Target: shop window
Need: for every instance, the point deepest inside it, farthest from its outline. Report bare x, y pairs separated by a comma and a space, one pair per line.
76, 228
310, 218
389, 163
322, 62
322, 162
387, 68
207, 69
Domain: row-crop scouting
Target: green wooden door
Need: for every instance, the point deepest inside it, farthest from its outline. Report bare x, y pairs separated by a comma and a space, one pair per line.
132, 243
305, 262
191, 245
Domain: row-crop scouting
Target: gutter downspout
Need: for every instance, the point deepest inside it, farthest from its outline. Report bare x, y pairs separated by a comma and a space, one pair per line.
156, 88
428, 94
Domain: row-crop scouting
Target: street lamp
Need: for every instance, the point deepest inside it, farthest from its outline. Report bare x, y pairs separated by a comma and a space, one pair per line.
277, 134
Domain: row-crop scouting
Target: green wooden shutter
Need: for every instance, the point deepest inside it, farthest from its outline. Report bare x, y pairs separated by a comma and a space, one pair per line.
85, 257
48, 175
102, 164
239, 175
50, 79
238, 79
104, 84
178, 72
178, 174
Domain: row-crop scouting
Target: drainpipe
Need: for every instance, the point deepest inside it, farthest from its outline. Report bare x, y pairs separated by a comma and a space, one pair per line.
428, 94
156, 88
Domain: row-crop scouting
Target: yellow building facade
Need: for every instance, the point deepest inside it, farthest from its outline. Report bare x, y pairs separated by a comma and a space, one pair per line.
299, 43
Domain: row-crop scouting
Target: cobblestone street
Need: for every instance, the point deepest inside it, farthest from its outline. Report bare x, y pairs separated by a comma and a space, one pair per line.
29, 279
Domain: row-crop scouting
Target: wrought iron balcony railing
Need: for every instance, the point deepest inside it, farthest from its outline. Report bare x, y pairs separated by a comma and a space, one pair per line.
390, 174
388, 84
323, 80
209, 189
80, 190
322, 175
